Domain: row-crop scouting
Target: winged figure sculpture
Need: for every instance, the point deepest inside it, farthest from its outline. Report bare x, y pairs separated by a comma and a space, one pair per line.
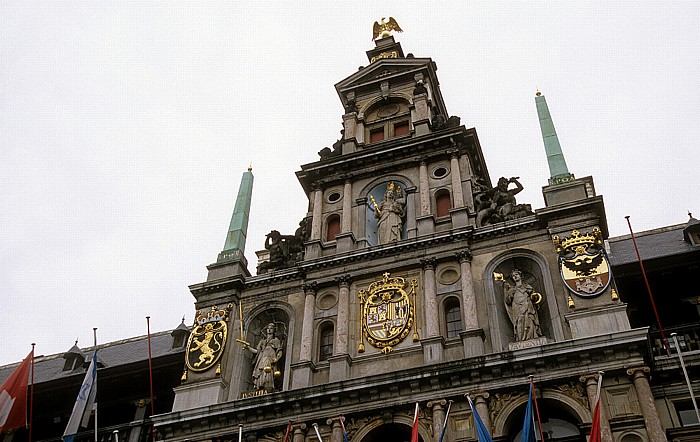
383, 29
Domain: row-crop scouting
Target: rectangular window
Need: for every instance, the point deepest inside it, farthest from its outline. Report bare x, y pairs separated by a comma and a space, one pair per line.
376, 135
686, 413
401, 129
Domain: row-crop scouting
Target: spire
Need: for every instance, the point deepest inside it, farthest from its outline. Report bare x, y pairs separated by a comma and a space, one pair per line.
238, 228
555, 157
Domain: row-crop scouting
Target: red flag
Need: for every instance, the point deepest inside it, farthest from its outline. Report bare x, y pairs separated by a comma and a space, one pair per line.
414, 431
595, 425
13, 397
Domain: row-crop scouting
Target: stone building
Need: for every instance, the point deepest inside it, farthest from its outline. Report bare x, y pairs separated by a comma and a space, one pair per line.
414, 279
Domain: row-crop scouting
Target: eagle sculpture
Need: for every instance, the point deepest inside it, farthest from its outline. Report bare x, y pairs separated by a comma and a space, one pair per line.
383, 29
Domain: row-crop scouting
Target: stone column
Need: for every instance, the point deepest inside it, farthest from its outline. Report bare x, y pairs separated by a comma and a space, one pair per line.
341, 334
457, 195
432, 341
301, 371
468, 296
317, 212
340, 361
336, 429
347, 208
482, 408
299, 432
432, 325
652, 421
472, 336
438, 406
591, 381
424, 187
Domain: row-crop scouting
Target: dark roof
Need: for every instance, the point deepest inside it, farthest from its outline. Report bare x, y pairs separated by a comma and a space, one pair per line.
657, 243
113, 354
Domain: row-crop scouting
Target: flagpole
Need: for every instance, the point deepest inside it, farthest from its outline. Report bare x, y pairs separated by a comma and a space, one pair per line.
94, 405
150, 375
444, 424
31, 397
537, 409
286, 434
646, 281
315, 425
685, 373
240, 432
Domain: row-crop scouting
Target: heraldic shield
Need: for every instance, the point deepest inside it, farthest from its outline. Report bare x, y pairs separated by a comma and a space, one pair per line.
206, 343
387, 311
583, 263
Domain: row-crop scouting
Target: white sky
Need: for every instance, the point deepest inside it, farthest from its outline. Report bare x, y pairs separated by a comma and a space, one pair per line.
125, 128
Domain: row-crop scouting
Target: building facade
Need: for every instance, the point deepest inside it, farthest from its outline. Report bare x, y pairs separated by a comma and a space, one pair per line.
414, 278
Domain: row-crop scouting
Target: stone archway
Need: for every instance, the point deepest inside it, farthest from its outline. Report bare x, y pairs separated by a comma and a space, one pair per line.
561, 416
397, 431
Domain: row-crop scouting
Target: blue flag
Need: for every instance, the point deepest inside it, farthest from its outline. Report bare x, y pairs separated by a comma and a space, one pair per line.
481, 430
84, 404
528, 434
444, 424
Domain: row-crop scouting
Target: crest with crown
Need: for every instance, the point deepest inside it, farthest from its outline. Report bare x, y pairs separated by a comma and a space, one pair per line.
579, 242
216, 314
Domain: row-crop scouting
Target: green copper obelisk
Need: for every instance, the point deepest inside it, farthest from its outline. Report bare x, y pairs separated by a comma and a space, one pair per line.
558, 171
238, 228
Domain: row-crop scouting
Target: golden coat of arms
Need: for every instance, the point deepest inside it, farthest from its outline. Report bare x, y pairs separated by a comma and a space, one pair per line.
583, 263
207, 340
387, 313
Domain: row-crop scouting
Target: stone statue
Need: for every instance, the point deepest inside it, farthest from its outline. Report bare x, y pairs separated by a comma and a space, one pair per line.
390, 213
498, 204
267, 354
285, 250
521, 309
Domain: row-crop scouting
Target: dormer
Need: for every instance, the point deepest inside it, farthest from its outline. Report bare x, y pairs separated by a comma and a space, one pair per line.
74, 358
394, 96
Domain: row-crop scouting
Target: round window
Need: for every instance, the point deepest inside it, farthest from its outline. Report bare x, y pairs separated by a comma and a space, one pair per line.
333, 197
440, 172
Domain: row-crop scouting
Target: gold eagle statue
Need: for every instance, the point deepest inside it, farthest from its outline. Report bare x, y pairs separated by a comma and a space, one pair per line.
383, 29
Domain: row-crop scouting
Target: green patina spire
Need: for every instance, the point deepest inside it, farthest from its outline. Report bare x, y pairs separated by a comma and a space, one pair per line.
238, 228
555, 157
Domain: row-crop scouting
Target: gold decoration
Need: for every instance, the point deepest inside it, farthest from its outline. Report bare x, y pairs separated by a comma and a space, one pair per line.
184, 376
570, 301
384, 28
218, 369
583, 265
392, 54
614, 295
387, 313
206, 343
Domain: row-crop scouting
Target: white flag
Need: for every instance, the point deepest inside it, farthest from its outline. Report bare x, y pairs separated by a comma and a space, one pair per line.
85, 402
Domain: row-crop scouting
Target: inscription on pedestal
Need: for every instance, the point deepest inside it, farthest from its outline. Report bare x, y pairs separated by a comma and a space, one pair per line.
530, 343
254, 393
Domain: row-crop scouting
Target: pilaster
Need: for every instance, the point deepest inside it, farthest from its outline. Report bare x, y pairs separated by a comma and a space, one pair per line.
591, 381
652, 421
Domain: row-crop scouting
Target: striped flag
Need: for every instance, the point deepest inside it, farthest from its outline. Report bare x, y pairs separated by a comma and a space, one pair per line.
85, 403
414, 431
481, 430
444, 424
595, 425
13, 397
345, 433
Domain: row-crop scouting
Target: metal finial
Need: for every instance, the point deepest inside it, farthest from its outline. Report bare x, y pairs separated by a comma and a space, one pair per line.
538, 93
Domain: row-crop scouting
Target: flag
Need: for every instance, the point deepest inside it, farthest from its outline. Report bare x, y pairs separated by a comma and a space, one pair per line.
444, 424
528, 434
481, 430
85, 402
345, 433
13, 397
414, 431
595, 425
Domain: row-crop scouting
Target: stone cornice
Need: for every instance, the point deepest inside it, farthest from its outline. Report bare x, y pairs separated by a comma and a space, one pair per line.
494, 372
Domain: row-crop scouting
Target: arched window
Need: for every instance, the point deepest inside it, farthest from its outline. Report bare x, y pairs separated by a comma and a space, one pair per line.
332, 227
443, 203
325, 347
453, 318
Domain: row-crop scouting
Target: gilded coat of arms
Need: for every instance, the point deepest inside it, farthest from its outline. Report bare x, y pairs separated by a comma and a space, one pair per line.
387, 313
583, 264
207, 340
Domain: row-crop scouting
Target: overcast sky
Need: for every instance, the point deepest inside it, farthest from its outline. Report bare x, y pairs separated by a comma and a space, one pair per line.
125, 128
